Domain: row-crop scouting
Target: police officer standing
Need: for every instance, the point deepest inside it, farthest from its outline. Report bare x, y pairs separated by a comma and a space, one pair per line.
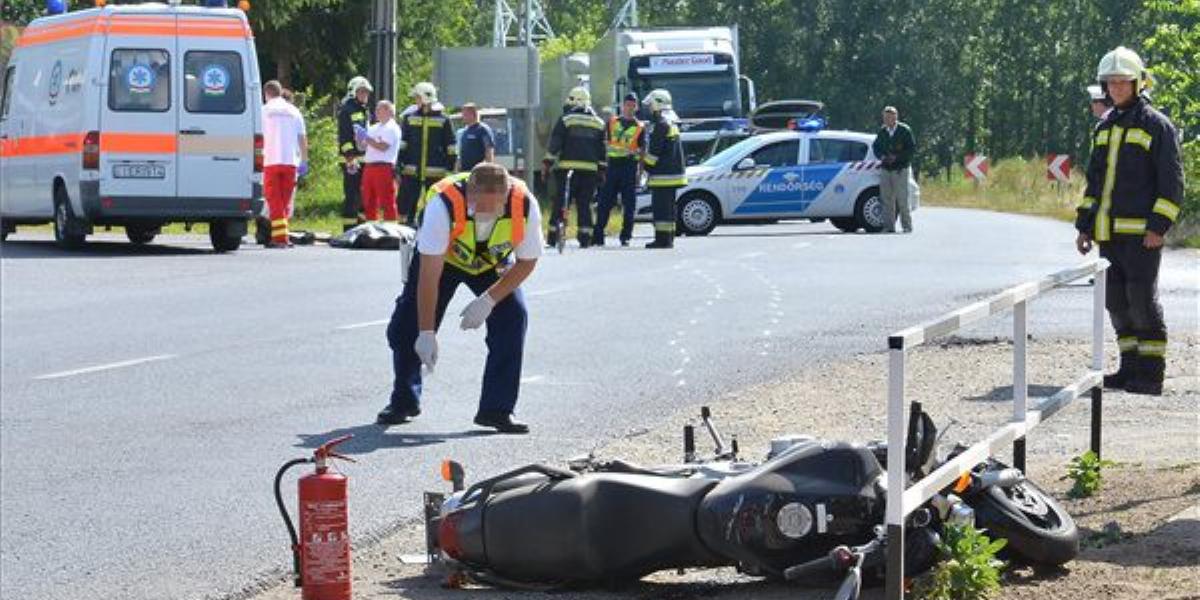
664, 167
576, 147
354, 115
1134, 187
428, 151
626, 142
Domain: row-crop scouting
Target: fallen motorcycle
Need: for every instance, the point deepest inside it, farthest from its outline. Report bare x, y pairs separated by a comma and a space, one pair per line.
810, 513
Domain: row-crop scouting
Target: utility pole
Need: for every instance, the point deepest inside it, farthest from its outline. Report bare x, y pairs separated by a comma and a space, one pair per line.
382, 32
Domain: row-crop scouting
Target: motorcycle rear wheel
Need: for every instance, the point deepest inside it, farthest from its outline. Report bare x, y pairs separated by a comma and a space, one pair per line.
1039, 531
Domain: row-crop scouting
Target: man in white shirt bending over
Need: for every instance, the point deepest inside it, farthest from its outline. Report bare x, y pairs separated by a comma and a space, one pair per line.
379, 175
482, 229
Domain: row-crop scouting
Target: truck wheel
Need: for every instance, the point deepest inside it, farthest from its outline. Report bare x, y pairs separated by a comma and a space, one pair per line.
221, 240
66, 226
141, 235
697, 213
846, 224
868, 211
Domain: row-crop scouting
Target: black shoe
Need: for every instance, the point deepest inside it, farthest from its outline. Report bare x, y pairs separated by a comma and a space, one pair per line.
625, 243
501, 422
396, 416
1145, 388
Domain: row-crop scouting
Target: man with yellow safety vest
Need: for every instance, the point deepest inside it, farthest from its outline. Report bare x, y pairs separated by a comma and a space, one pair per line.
626, 140
353, 117
664, 167
1134, 188
577, 148
428, 151
480, 229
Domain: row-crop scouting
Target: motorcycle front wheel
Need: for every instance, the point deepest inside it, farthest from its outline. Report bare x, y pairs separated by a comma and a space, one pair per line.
1039, 531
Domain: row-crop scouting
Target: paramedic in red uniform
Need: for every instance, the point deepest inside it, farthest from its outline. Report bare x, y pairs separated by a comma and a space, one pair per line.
284, 137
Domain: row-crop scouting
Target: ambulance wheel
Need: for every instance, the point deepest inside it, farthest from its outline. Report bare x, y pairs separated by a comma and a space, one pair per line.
846, 224
697, 213
868, 211
66, 226
141, 235
222, 241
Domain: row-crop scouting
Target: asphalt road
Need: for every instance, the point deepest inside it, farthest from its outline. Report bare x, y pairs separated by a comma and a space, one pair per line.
149, 394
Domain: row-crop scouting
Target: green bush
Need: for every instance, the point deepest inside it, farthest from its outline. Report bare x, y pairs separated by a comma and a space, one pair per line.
1084, 470
319, 197
1187, 231
969, 569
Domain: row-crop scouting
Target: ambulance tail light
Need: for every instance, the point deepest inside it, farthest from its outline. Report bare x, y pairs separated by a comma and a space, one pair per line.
258, 153
91, 151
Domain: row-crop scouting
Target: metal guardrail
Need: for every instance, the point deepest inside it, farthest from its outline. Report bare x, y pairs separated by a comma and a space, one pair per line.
901, 501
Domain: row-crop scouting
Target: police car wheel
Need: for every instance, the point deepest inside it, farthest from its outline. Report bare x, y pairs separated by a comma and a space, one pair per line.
697, 214
868, 211
65, 225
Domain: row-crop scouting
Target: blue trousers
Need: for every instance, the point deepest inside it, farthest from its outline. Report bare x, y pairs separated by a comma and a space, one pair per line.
505, 339
619, 179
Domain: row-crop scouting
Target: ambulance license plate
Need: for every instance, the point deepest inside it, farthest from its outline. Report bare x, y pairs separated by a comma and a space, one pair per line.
139, 171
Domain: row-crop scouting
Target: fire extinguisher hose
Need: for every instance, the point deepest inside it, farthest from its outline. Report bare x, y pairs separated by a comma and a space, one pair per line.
287, 520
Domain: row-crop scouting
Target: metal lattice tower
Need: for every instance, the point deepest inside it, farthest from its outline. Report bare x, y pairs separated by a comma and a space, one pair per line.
532, 25
627, 16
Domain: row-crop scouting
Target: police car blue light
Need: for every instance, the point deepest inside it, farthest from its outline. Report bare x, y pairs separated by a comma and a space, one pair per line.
806, 172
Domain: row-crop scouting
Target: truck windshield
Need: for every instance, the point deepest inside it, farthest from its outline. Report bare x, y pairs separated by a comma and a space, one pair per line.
695, 95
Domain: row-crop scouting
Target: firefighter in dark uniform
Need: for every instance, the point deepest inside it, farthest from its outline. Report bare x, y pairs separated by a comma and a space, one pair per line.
664, 167
576, 147
1134, 188
626, 140
427, 150
354, 110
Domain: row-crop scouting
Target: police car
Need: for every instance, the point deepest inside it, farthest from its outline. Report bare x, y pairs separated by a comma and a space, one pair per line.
808, 172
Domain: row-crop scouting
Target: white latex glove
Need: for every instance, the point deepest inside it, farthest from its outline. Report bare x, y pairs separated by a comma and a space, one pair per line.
426, 348
477, 311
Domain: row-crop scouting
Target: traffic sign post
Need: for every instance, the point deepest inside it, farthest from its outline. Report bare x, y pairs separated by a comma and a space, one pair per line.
975, 166
1058, 168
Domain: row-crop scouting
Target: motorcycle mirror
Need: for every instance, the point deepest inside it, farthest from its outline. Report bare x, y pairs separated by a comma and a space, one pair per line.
850, 587
454, 473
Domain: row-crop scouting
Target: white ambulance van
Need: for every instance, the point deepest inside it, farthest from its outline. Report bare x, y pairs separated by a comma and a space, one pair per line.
136, 116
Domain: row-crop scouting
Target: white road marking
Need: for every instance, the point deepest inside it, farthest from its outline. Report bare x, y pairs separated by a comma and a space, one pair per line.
752, 255
801, 245
362, 325
110, 366
548, 291
532, 378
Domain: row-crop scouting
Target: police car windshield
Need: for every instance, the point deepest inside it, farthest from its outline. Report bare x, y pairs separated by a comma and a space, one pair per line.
727, 156
695, 95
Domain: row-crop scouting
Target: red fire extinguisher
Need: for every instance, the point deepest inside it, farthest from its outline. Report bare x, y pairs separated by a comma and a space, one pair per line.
321, 554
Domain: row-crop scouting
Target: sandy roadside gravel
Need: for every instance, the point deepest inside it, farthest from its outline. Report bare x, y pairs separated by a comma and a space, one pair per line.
1141, 533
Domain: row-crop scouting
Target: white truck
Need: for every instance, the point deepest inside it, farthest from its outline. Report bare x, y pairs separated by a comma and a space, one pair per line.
136, 116
699, 66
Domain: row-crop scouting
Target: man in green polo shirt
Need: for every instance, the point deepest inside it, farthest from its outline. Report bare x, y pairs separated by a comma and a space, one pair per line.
894, 146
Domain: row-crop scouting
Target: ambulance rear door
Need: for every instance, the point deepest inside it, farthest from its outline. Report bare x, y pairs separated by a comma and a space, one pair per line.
216, 112
138, 116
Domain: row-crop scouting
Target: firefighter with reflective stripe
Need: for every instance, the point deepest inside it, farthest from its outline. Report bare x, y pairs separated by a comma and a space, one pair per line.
428, 151
1134, 189
626, 140
353, 117
576, 147
481, 229
664, 167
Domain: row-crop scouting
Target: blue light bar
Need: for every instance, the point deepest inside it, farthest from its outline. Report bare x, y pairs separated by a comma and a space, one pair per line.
56, 7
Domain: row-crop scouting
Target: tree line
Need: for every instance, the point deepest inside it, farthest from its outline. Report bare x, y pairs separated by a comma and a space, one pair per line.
997, 77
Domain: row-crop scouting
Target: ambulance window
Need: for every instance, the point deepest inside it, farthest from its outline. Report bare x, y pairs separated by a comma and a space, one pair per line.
835, 151
6, 91
213, 82
139, 80
779, 154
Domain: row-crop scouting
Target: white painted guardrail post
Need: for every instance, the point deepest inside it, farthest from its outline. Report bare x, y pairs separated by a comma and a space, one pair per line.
895, 511
1020, 386
901, 501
